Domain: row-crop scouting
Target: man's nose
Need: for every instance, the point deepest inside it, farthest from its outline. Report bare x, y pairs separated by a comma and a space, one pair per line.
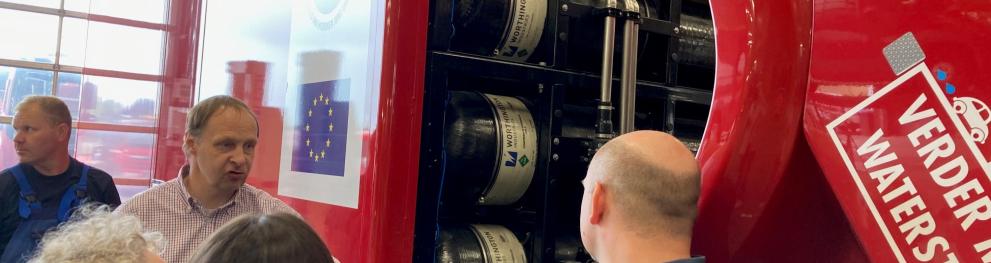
18, 137
240, 157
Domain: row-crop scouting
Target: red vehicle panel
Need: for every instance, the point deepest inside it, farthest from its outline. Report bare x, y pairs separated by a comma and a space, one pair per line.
892, 110
764, 198
896, 119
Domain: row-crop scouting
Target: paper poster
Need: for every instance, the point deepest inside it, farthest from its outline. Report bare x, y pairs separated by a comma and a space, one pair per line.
332, 98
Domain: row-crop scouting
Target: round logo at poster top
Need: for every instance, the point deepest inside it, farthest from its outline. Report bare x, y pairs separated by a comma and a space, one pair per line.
325, 13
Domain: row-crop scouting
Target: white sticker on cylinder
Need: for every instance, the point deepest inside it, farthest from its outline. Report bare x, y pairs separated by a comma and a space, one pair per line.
499, 244
518, 151
524, 30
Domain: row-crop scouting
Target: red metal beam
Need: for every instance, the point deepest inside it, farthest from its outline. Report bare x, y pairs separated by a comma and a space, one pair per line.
182, 39
395, 149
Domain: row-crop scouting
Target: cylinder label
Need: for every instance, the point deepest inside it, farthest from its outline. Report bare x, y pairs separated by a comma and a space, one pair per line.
518, 144
499, 244
525, 28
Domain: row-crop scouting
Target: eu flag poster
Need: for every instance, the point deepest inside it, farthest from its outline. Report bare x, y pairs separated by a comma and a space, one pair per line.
334, 75
320, 140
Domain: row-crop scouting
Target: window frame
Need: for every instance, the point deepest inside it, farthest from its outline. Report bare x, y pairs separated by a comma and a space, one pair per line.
57, 69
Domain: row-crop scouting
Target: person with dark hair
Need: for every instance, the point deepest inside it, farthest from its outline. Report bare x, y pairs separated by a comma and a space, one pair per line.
640, 197
268, 238
47, 184
221, 134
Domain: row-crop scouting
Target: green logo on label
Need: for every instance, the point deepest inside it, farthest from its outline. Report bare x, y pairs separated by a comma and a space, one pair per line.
524, 160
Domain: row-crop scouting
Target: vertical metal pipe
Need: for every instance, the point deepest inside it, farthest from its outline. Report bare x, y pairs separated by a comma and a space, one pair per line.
604, 122
608, 47
669, 113
628, 82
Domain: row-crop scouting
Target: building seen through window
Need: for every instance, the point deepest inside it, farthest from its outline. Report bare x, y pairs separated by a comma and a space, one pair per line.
104, 59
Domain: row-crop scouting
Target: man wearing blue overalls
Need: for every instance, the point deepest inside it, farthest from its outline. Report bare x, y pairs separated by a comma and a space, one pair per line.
40, 192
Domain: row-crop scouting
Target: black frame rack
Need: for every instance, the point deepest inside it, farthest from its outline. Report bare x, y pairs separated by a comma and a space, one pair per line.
550, 84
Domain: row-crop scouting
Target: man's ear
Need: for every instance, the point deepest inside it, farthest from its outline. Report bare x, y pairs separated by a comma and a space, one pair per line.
598, 207
189, 145
64, 130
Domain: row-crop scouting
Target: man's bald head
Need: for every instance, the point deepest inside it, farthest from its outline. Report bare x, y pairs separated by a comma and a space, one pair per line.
654, 181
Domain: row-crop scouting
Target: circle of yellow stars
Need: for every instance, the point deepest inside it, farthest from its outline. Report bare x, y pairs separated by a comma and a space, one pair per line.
330, 127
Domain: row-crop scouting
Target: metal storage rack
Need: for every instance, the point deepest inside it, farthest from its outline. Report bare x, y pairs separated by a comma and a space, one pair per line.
547, 216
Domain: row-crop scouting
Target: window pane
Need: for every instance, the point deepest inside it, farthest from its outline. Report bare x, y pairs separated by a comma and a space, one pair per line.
73, 51
8, 157
4, 73
20, 83
111, 100
77, 5
141, 10
69, 89
228, 37
41, 3
120, 154
121, 48
28, 36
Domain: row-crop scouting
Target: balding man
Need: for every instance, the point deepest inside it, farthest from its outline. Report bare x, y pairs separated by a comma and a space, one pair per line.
640, 197
221, 134
42, 190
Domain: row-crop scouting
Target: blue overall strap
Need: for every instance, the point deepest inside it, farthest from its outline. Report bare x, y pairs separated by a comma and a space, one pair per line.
28, 200
69, 198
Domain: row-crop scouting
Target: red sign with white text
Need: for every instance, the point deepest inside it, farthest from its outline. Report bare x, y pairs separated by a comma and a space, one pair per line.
920, 171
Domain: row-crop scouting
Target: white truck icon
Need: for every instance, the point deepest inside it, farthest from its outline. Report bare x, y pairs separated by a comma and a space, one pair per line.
976, 114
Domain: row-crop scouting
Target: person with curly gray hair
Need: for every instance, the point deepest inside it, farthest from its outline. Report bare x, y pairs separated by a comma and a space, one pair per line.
94, 234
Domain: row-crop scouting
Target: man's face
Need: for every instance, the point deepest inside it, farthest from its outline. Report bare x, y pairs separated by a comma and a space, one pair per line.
224, 150
36, 137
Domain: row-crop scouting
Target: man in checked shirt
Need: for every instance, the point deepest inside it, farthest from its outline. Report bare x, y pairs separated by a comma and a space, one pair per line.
221, 134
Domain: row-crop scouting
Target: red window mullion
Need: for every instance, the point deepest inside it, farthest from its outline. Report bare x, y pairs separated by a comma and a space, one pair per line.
181, 45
